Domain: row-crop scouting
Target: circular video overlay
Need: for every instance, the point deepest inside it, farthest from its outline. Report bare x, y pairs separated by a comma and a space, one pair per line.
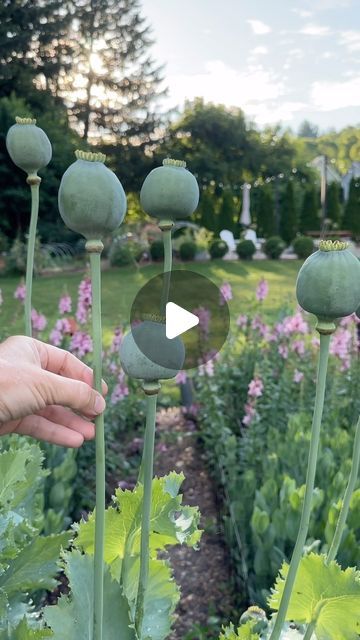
190, 308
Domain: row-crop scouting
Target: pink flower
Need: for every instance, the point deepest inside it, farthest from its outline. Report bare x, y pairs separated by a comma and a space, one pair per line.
62, 327
341, 343
65, 303
242, 321
250, 413
298, 376
120, 392
116, 341
262, 290
292, 324
298, 346
225, 293
206, 369
38, 321
315, 342
84, 300
181, 377
255, 388
20, 292
204, 320
283, 351
261, 327
81, 344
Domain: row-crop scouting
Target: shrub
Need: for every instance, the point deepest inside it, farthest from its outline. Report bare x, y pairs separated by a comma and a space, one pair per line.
123, 252
16, 259
273, 247
245, 249
157, 250
187, 251
218, 249
303, 246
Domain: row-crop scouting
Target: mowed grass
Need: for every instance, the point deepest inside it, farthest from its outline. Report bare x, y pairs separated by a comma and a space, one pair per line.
120, 286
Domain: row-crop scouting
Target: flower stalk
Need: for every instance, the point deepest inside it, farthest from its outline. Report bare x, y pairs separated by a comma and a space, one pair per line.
34, 182
309, 487
94, 248
166, 227
151, 390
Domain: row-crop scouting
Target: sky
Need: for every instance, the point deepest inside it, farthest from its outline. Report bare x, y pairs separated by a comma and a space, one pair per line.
279, 60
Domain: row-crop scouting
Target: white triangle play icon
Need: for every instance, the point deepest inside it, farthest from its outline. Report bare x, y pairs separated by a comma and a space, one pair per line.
178, 320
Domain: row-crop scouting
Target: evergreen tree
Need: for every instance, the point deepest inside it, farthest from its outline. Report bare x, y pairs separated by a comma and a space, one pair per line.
333, 210
226, 212
309, 216
208, 218
265, 214
288, 217
352, 210
119, 80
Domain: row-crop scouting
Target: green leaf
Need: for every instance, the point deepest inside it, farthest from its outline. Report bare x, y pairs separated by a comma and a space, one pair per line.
35, 565
325, 594
72, 617
12, 464
24, 632
244, 632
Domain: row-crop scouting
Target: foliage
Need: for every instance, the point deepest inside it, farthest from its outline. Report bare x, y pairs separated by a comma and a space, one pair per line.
325, 594
245, 249
352, 210
303, 246
218, 249
125, 251
187, 251
333, 209
288, 215
309, 215
244, 632
157, 250
16, 259
226, 212
255, 421
207, 210
265, 214
171, 523
273, 247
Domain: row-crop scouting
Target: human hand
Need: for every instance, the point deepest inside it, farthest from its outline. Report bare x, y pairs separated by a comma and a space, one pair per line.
46, 393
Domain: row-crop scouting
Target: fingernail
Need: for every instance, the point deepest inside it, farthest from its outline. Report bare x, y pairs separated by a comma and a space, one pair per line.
99, 405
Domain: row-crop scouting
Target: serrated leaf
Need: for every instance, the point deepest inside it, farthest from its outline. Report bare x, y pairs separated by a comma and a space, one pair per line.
72, 617
325, 594
35, 566
24, 632
12, 464
244, 632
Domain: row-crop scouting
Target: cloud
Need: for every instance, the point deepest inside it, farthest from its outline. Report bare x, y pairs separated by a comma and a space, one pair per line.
328, 96
222, 84
259, 51
325, 5
259, 27
273, 112
315, 30
350, 39
302, 13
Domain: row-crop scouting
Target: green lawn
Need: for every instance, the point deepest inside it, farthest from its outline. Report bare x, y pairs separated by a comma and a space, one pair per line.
121, 285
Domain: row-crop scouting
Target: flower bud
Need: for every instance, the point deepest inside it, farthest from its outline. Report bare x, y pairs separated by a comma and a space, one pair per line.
28, 146
91, 198
170, 192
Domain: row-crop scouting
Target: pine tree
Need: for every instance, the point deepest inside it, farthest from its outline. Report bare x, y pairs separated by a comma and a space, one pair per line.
265, 212
208, 218
333, 211
288, 217
309, 216
114, 84
352, 210
226, 212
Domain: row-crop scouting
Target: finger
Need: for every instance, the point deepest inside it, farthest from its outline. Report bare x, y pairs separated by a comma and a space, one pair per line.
74, 394
43, 429
65, 364
68, 419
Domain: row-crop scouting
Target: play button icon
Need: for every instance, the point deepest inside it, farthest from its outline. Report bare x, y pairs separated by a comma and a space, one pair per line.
190, 307
178, 320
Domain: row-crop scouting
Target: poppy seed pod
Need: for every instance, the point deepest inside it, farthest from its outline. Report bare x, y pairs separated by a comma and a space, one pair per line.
328, 283
153, 336
91, 198
170, 192
28, 146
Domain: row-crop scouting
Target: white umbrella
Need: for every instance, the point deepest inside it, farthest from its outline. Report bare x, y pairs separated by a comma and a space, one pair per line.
245, 217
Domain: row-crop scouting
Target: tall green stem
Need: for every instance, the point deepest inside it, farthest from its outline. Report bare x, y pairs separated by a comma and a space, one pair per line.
166, 226
151, 391
340, 526
309, 631
34, 182
309, 488
94, 248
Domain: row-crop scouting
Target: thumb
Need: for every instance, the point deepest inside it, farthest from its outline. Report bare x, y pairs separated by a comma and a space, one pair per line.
74, 394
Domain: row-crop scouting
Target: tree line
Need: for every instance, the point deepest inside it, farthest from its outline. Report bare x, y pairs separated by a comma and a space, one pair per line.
84, 69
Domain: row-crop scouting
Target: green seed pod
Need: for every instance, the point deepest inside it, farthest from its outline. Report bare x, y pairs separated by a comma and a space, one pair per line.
152, 334
28, 146
256, 615
170, 192
91, 198
328, 284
